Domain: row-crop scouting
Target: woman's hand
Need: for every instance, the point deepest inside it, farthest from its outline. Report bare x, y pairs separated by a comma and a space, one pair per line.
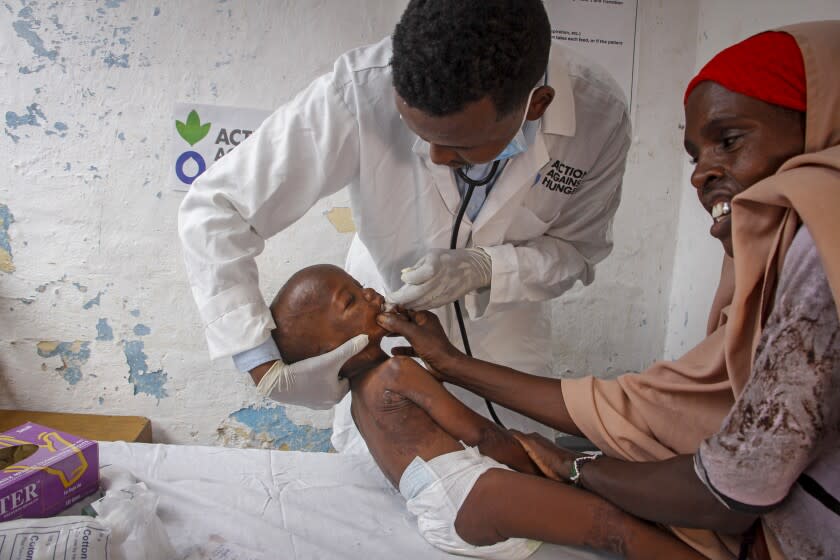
554, 462
428, 340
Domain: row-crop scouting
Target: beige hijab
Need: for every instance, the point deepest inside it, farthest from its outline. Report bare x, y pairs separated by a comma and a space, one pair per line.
672, 406
805, 189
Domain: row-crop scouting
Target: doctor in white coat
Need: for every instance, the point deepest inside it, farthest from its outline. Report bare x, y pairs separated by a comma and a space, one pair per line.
474, 87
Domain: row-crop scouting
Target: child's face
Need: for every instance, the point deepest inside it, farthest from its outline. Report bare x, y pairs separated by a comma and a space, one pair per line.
324, 308
351, 310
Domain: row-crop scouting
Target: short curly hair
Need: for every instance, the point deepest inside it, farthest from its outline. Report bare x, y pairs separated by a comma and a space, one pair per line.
449, 53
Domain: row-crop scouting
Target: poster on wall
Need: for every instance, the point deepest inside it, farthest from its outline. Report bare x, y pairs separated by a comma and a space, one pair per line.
203, 134
602, 30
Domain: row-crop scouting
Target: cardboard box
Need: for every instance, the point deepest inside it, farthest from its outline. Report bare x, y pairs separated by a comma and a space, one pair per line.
62, 470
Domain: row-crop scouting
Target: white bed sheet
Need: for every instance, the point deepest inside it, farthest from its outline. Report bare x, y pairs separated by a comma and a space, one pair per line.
279, 504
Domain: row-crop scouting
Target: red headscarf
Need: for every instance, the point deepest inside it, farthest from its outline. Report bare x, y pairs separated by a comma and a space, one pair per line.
767, 66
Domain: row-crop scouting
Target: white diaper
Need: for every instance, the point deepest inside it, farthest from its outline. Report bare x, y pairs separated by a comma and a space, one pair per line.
434, 492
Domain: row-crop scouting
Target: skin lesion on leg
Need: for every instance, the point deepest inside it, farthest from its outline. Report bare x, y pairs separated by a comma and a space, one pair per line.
606, 532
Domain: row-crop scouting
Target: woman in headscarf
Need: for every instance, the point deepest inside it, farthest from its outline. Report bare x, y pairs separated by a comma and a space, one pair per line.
746, 425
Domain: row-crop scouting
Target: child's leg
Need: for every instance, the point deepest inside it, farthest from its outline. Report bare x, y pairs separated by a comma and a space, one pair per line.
505, 504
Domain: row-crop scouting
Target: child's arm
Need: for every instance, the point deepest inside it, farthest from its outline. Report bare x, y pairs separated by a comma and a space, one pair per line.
406, 377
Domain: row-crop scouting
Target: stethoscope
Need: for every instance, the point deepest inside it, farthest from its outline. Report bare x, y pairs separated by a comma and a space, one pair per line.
453, 243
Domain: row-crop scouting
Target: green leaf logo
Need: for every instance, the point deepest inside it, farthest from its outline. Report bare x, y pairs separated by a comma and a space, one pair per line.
193, 131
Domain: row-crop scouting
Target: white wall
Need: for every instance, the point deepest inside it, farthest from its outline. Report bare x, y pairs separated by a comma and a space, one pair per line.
618, 323
96, 314
697, 266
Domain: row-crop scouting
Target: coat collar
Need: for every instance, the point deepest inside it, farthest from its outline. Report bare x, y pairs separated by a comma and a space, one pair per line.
520, 173
559, 117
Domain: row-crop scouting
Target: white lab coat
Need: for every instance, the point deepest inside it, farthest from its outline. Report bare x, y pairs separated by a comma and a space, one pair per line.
545, 224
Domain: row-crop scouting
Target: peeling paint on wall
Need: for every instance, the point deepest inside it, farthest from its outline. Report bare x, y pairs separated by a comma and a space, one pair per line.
144, 381
43, 287
95, 301
60, 130
94, 72
26, 27
112, 60
27, 70
270, 428
342, 219
104, 330
33, 113
6, 219
34, 116
73, 356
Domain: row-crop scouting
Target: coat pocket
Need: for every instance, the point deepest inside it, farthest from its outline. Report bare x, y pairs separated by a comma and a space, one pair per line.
526, 225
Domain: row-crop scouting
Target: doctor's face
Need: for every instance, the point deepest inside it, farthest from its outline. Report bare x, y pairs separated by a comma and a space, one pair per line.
734, 142
473, 135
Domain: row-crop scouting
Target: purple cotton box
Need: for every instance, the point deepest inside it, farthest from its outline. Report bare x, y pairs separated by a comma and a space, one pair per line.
63, 470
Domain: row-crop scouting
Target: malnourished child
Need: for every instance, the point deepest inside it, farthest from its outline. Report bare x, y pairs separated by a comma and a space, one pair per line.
472, 487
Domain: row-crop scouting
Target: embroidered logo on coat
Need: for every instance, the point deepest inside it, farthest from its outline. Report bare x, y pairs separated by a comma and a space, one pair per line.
563, 178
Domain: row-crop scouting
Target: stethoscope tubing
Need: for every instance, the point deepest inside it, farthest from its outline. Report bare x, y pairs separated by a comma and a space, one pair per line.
453, 244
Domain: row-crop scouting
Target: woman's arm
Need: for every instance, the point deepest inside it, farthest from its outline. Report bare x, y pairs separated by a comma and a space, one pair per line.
540, 398
667, 492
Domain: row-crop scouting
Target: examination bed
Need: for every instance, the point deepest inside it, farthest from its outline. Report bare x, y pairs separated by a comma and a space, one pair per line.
254, 504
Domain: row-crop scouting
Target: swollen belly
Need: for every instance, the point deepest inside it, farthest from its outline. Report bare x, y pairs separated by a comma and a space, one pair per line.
397, 432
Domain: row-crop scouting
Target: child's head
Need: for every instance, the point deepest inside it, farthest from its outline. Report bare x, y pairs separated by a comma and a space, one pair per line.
321, 307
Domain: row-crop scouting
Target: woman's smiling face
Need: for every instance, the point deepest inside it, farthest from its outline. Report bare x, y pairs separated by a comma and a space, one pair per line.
735, 141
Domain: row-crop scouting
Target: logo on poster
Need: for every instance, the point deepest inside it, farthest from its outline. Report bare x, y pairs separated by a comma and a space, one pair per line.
205, 134
191, 163
193, 132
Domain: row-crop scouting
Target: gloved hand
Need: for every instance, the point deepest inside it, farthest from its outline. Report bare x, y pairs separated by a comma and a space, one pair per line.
314, 382
443, 276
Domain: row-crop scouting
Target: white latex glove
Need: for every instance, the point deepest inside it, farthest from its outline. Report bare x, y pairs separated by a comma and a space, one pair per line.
314, 382
443, 276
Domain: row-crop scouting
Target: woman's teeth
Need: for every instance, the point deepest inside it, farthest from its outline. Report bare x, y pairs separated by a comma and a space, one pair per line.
720, 211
